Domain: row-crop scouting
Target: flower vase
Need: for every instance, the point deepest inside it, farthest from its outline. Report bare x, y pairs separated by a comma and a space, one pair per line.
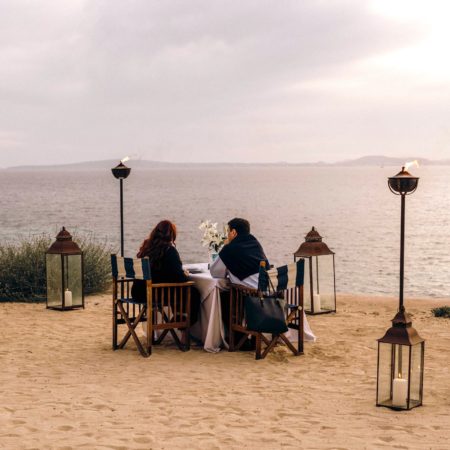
213, 255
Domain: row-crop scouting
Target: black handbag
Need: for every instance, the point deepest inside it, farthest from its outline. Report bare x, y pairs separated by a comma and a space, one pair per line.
265, 314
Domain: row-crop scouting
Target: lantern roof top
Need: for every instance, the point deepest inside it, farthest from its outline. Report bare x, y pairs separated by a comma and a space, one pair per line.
64, 244
313, 245
402, 331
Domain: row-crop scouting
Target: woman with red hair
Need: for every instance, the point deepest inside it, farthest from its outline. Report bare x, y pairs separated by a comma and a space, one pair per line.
164, 258
165, 263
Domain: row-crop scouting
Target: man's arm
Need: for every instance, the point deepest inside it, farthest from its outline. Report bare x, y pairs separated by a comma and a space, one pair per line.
218, 269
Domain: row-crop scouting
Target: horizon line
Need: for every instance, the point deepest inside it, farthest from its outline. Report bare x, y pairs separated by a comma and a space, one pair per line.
383, 160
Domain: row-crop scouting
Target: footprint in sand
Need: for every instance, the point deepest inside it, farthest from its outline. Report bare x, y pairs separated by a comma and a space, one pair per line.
142, 440
18, 421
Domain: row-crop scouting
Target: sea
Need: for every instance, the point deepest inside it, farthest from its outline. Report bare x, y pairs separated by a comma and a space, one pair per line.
351, 207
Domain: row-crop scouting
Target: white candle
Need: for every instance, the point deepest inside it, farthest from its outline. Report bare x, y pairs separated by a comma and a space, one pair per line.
316, 302
68, 298
399, 392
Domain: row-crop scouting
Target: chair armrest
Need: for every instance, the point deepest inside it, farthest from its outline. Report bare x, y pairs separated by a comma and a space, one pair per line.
185, 284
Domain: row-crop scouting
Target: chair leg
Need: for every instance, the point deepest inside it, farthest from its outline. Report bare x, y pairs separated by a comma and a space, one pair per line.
114, 326
187, 339
270, 347
128, 334
296, 315
161, 337
149, 337
258, 346
289, 345
231, 343
177, 339
241, 342
131, 327
300, 332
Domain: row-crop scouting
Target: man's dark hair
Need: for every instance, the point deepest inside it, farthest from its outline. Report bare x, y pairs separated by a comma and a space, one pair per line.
241, 226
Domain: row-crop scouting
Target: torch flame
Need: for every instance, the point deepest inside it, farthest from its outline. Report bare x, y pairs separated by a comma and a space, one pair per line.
411, 164
127, 158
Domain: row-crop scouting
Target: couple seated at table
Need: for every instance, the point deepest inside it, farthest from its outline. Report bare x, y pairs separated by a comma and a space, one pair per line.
239, 260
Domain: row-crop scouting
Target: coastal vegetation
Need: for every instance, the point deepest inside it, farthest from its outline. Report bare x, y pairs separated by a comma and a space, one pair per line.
22, 267
442, 311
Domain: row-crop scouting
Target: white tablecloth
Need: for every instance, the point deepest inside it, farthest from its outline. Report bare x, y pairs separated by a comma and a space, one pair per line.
209, 328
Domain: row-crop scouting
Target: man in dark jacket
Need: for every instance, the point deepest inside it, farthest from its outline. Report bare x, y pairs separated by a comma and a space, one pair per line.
239, 260
240, 257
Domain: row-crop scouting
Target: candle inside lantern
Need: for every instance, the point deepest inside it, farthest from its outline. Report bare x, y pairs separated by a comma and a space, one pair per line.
68, 298
316, 302
399, 391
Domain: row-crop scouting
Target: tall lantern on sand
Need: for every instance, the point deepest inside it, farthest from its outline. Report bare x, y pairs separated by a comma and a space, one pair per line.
64, 265
320, 279
401, 350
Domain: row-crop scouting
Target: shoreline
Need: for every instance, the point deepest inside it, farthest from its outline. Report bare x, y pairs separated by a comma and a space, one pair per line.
62, 387
346, 295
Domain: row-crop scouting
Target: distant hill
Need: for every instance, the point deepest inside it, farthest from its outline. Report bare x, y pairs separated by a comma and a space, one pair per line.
374, 160
390, 161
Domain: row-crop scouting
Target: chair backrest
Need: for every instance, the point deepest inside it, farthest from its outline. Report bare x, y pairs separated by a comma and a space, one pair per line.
283, 277
137, 269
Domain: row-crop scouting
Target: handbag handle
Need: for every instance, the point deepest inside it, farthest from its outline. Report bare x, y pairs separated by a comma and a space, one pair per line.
270, 286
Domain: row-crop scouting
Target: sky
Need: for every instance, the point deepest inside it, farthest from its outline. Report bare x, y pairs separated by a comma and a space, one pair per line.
223, 81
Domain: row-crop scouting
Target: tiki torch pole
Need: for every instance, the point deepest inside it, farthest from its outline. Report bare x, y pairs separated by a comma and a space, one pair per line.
121, 217
402, 250
121, 172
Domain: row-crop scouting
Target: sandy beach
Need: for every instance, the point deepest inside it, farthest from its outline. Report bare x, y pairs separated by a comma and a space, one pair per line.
62, 387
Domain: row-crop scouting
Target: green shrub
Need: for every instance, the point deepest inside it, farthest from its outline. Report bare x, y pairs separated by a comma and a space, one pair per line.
442, 311
22, 267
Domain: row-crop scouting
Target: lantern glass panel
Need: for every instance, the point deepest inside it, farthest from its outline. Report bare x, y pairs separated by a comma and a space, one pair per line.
319, 292
385, 353
74, 278
307, 292
394, 375
324, 278
54, 280
400, 376
401, 361
416, 374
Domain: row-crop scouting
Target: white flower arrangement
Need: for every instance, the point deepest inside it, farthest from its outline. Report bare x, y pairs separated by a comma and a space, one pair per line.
212, 237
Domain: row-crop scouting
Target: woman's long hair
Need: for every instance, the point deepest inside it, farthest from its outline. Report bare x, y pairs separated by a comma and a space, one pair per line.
161, 238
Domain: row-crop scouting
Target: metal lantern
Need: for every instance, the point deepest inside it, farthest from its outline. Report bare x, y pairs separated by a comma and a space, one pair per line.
400, 365
401, 352
121, 171
320, 279
64, 264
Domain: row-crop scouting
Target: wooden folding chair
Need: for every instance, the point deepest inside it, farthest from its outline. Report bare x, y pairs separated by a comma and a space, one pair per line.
166, 310
288, 281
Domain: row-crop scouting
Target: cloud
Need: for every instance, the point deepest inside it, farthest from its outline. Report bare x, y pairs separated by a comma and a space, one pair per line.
183, 80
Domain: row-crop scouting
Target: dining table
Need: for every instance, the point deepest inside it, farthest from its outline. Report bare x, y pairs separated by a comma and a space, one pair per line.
209, 329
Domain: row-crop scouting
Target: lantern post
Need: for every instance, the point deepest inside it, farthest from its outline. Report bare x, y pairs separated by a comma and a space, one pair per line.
401, 351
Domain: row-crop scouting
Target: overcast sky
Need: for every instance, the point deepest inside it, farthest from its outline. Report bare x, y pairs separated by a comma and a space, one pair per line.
205, 80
